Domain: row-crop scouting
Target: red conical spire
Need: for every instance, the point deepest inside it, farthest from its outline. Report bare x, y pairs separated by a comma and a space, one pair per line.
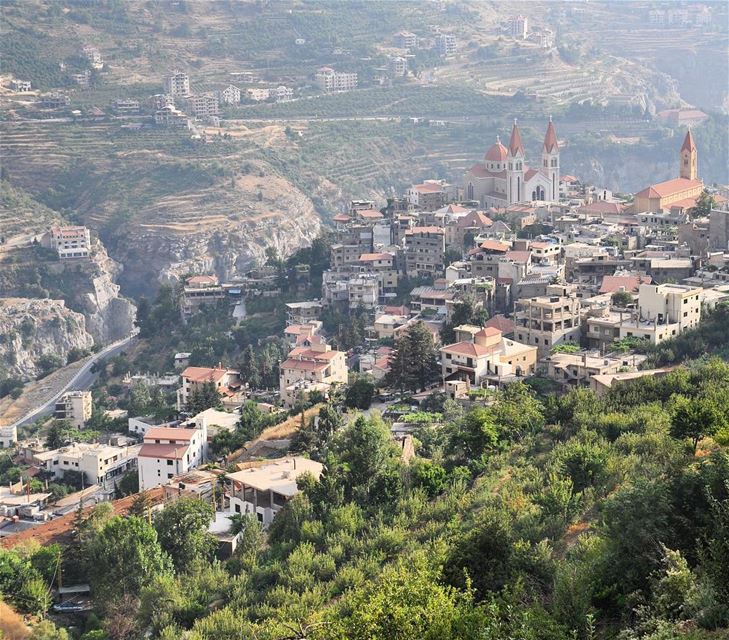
688, 142
515, 144
550, 139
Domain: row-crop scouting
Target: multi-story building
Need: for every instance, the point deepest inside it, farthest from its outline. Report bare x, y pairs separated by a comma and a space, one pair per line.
203, 105
169, 451
177, 84
483, 353
405, 40
547, 321
74, 406
313, 368
198, 291
303, 312
265, 490
93, 55
573, 369
70, 242
428, 196
8, 436
125, 107
20, 86
230, 95
331, 81
446, 44
283, 93
170, 116
519, 27
100, 463
54, 100
424, 251
226, 381
397, 65
258, 94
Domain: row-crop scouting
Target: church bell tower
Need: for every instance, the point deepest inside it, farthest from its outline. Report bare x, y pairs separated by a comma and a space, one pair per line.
689, 158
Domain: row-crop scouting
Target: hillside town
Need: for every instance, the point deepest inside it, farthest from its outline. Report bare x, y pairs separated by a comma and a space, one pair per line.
517, 274
364, 321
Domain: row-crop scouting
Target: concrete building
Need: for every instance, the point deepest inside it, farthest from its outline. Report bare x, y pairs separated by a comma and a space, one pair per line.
265, 490
332, 81
428, 196
546, 321
313, 368
177, 84
168, 452
101, 464
8, 437
226, 381
203, 105
74, 406
574, 369
303, 312
483, 353
405, 40
258, 94
20, 86
519, 27
70, 242
397, 66
170, 116
229, 95
283, 93
445, 43
424, 251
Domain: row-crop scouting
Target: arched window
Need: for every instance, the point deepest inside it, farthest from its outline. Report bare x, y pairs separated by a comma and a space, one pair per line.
469, 191
534, 195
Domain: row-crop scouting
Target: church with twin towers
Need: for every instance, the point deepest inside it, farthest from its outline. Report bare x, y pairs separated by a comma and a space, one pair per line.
503, 176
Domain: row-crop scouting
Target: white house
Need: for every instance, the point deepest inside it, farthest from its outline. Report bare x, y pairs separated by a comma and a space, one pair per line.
265, 490
8, 436
168, 452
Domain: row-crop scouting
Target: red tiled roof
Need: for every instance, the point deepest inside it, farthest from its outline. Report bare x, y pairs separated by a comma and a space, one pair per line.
397, 311
474, 219
518, 256
166, 451
502, 323
688, 142
600, 206
468, 349
489, 332
550, 139
303, 365
427, 187
611, 284
202, 280
369, 214
480, 171
341, 217
530, 173
414, 230
668, 188
169, 433
515, 144
497, 152
204, 374
495, 245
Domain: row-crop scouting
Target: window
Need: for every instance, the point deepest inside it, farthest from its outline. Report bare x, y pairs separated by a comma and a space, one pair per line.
169, 463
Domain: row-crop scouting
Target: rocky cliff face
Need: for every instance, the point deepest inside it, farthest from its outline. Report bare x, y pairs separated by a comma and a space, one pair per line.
228, 249
34, 333
109, 316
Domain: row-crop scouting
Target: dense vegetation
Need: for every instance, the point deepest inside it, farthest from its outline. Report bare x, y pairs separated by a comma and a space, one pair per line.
572, 516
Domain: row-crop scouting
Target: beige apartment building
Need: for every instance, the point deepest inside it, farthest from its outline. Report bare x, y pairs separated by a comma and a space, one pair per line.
70, 242
313, 368
74, 406
546, 321
483, 353
424, 251
100, 464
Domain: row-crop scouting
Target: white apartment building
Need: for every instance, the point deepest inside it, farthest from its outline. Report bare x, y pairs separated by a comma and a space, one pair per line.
101, 464
8, 437
446, 44
258, 94
170, 451
93, 55
283, 93
265, 490
74, 406
331, 81
20, 86
519, 27
398, 66
70, 242
313, 368
177, 84
203, 105
230, 95
226, 381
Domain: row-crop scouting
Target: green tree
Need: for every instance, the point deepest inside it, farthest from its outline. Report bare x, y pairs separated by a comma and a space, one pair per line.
695, 418
204, 396
123, 557
704, 204
621, 298
467, 310
414, 361
359, 394
182, 530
